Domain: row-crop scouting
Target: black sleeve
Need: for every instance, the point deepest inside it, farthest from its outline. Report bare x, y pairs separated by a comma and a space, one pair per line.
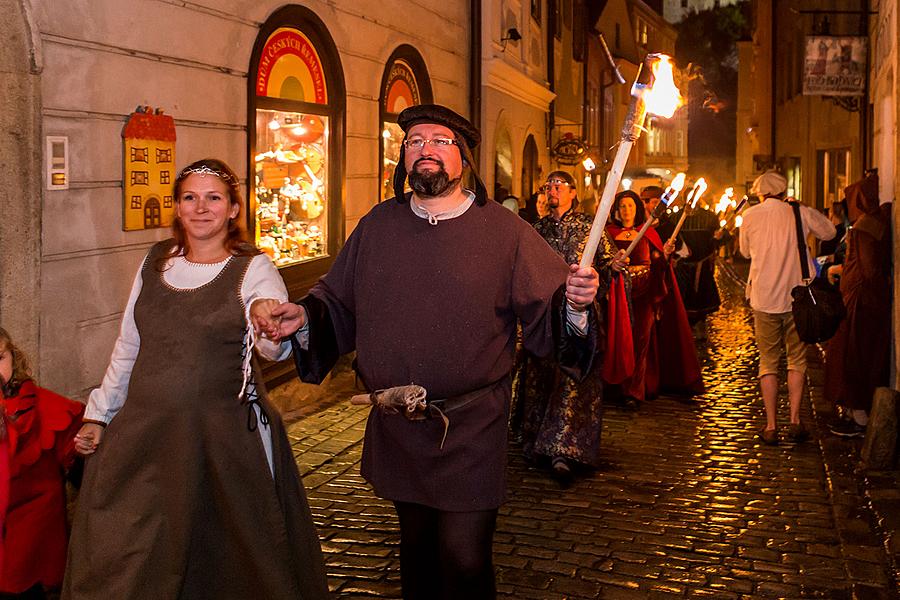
321, 354
575, 354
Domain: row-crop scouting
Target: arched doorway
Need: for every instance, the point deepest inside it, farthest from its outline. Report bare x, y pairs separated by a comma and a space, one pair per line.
531, 167
297, 104
20, 170
405, 83
152, 213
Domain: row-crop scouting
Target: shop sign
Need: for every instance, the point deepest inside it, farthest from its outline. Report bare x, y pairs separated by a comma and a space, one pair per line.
401, 89
289, 68
835, 66
149, 169
569, 150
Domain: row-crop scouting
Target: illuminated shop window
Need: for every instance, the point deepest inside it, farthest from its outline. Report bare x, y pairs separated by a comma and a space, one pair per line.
291, 185
296, 162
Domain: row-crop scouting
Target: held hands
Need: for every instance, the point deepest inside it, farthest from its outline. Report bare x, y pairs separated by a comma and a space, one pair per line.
834, 273
274, 320
88, 438
291, 317
264, 322
581, 286
620, 262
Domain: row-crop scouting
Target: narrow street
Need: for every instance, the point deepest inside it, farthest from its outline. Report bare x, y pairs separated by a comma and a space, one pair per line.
688, 505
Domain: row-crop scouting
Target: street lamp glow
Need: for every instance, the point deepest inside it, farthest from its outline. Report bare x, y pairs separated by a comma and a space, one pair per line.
626, 184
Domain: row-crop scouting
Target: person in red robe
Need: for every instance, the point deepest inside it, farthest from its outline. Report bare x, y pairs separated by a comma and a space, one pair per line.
665, 358
646, 267
39, 440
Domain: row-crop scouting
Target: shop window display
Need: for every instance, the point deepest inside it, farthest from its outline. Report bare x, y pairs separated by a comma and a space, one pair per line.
291, 186
392, 137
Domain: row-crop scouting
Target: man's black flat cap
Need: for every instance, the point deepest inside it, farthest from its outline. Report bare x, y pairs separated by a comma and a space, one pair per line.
439, 115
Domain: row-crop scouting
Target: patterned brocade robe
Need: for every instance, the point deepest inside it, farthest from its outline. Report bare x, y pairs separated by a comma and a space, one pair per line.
554, 414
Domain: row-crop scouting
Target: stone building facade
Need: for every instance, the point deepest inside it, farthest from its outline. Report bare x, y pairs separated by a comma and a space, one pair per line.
76, 69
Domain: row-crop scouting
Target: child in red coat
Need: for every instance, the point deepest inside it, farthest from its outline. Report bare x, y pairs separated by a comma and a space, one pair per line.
39, 442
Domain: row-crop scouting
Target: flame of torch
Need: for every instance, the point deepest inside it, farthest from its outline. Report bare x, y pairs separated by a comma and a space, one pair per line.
736, 213
724, 201
696, 192
663, 99
689, 205
644, 85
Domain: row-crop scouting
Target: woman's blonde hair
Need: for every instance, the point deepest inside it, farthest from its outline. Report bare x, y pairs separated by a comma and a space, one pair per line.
21, 368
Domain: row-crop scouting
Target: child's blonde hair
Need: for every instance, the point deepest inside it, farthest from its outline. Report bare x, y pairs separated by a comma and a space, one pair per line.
21, 368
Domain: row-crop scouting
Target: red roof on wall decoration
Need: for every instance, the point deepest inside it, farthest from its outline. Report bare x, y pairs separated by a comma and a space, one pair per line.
150, 126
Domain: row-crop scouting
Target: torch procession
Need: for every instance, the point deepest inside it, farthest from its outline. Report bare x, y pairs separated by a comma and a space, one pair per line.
653, 93
689, 205
664, 202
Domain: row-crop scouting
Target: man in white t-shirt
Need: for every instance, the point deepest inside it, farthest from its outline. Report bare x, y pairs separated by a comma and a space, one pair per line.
769, 239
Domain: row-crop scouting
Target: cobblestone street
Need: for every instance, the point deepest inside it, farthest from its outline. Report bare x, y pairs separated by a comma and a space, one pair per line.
688, 505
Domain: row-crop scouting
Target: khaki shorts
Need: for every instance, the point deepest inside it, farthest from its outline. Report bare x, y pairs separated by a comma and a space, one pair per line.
774, 331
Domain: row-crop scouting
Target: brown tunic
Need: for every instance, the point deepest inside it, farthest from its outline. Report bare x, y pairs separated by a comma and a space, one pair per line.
437, 305
178, 501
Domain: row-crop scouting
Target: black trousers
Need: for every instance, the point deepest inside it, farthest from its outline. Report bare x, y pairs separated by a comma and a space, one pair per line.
446, 555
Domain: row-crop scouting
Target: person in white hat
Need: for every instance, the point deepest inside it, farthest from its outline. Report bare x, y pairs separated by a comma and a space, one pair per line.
768, 238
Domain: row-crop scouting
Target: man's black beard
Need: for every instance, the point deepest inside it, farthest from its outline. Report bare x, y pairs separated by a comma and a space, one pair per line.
431, 184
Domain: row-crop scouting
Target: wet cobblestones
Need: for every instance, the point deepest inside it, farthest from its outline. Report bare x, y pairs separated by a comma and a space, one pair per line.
687, 505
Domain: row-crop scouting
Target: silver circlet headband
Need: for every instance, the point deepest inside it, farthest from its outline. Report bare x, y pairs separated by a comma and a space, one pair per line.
204, 170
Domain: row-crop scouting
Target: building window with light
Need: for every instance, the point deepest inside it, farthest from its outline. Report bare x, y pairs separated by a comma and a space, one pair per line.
296, 120
641, 34
405, 83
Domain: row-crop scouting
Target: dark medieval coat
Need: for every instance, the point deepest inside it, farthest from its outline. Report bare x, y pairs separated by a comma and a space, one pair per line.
438, 305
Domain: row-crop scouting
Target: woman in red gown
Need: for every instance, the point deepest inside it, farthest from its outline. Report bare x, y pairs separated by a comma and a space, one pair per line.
647, 267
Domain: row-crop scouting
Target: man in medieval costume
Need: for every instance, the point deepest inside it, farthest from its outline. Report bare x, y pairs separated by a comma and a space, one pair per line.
428, 290
560, 419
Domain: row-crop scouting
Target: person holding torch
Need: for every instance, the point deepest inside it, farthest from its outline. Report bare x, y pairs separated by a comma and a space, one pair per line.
561, 419
428, 290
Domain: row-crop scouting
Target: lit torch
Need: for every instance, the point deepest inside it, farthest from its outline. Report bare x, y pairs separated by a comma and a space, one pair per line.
665, 200
735, 214
689, 204
653, 93
723, 205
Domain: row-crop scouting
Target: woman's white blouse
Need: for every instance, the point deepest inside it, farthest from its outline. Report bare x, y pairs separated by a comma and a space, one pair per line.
261, 281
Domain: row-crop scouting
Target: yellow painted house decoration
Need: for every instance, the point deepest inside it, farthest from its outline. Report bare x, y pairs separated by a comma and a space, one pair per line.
149, 155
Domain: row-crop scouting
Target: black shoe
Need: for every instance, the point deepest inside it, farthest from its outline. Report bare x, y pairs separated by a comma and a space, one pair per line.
562, 470
848, 428
769, 437
797, 433
630, 404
